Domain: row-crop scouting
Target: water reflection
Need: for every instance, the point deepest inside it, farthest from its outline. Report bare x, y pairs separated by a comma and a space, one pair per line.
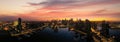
68, 35
59, 34
63, 35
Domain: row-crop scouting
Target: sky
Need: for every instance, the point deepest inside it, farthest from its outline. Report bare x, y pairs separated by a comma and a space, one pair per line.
37, 10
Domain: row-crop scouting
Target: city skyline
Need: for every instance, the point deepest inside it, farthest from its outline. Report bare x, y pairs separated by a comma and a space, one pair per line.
95, 10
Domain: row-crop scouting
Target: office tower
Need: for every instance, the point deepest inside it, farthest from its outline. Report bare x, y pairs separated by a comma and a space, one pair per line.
19, 26
105, 28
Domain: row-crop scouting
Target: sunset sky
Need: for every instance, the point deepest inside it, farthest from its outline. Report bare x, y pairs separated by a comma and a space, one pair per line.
59, 9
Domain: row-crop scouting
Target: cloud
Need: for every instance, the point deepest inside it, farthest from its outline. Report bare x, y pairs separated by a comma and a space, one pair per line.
33, 4
66, 4
55, 2
112, 15
99, 11
7, 18
13, 18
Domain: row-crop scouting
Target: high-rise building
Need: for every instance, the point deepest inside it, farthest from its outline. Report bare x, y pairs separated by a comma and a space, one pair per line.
19, 26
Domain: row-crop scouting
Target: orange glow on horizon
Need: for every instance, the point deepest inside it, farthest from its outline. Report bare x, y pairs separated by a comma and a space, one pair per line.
83, 19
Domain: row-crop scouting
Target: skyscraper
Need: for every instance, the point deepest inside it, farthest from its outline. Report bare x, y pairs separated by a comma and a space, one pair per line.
19, 26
